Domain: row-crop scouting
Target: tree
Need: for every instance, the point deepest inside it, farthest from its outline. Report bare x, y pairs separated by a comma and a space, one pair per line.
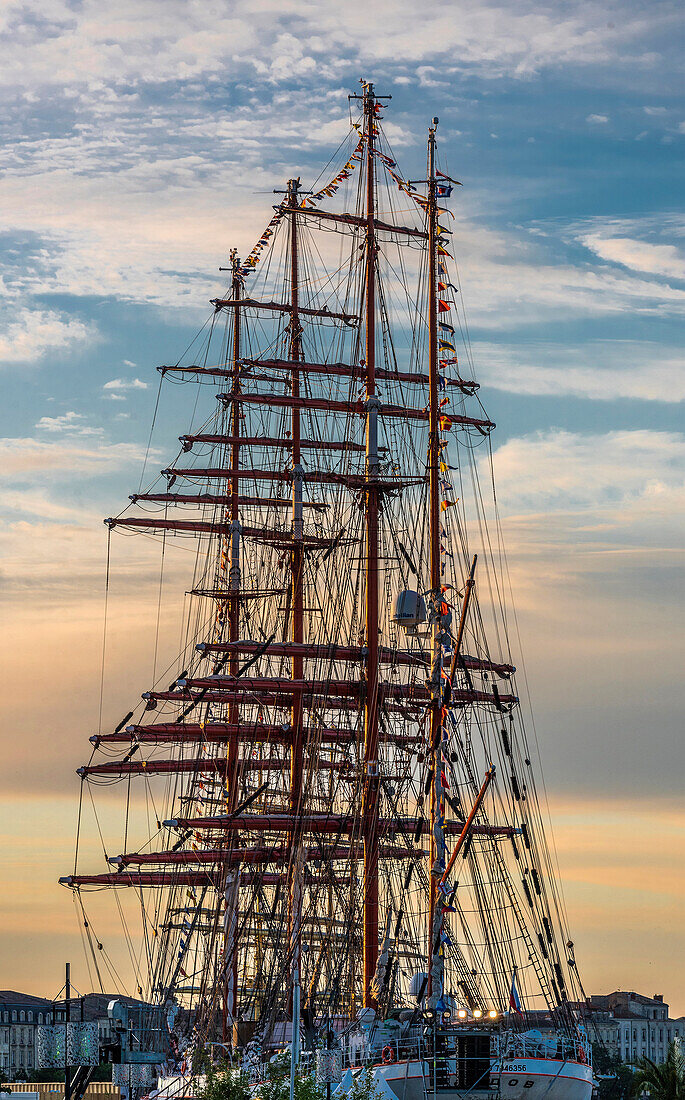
276, 1086
618, 1084
364, 1087
51, 1075
615, 1077
224, 1083
662, 1082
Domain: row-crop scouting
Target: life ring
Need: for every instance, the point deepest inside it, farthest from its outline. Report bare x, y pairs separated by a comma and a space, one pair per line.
388, 1056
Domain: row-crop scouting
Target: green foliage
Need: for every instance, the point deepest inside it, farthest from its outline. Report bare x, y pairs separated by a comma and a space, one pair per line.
364, 1087
602, 1060
103, 1072
40, 1075
662, 1082
276, 1086
224, 1083
619, 1083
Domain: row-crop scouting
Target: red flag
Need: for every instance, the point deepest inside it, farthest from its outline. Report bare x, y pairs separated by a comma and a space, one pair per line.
443, 307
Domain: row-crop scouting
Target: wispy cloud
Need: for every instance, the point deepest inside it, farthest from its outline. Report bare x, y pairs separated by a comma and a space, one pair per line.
125, 384
277, 44
561, 470
601, 370
23, 459
71, 423
599, 120
656, 259
34, 333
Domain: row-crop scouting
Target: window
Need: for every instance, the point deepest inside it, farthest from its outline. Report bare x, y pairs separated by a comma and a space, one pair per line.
22, 1016
29, 1017
29, 1060
661, 1035
644, 1034
14, 1016
40, 1017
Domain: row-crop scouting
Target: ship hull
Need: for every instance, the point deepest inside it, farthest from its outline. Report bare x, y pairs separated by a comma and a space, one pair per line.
525, 1079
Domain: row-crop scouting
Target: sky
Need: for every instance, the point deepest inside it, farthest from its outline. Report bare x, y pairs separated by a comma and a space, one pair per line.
140, 141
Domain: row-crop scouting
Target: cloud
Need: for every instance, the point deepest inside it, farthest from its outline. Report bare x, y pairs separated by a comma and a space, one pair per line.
656, 259
71, 422
514, 278
654, 111
621, 472
598, 119
117, 58
606, 370
26, 459
34, 333
125, 384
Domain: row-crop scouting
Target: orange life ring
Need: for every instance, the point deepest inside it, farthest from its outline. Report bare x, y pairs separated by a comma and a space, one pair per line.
388, 1056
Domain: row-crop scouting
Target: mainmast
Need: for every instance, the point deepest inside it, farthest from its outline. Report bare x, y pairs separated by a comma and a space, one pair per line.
371, 778
437, 845
230, 997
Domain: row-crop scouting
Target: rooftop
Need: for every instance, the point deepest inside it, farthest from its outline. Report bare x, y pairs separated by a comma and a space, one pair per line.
10, 998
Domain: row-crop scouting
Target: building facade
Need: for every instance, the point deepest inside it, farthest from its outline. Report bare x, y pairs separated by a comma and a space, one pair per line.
632, 1026
20, 1016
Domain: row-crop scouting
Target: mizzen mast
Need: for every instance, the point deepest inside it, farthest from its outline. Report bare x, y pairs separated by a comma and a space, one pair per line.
297, 597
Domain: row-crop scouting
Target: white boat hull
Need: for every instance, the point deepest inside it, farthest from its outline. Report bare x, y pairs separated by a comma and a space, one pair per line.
552, 1079
524, 1079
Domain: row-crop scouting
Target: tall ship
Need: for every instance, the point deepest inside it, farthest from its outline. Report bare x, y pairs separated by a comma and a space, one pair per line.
333, 823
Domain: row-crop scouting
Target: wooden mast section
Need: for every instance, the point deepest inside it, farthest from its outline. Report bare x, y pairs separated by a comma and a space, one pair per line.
371, 778
230, 984
297, 583
435, 967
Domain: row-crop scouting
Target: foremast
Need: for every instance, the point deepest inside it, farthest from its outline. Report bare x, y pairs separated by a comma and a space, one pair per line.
371, 765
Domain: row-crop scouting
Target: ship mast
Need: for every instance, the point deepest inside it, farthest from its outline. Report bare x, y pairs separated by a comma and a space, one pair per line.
298, 692
437, 843
230, 890
370, 797
297, 566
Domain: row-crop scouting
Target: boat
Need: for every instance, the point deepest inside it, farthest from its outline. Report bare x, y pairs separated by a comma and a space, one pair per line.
346, 854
